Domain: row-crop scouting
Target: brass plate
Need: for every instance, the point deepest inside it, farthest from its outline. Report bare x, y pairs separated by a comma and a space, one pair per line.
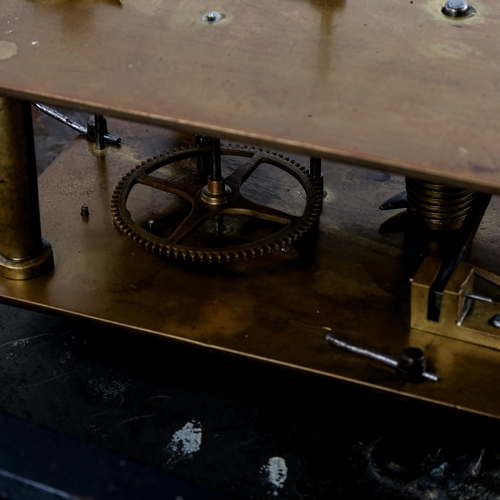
389, 83
351, 280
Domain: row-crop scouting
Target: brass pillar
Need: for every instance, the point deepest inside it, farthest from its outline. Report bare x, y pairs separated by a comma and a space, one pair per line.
23, 252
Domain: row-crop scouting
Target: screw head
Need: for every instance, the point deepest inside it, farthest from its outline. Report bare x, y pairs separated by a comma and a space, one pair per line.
212, 17
458, 8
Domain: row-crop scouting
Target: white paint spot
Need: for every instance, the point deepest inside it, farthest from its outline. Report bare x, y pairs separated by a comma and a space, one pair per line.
65, 356
7, 49
276, 471
107, 389
34, 42
21, 343
185, 442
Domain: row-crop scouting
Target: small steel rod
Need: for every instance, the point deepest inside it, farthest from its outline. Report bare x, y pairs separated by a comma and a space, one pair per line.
363, 352
100, 131
216, 166
112, 139
387, 360
315, 168
203, 162
61, 118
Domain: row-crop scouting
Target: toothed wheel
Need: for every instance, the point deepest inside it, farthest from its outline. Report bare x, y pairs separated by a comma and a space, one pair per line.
182, 241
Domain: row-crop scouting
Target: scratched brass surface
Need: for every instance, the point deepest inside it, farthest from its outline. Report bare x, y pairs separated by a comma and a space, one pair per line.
390, 83
351, 280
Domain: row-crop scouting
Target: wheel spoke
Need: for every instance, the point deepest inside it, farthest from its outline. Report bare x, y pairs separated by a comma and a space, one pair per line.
184, 189
189, 225
243, 206
241, 174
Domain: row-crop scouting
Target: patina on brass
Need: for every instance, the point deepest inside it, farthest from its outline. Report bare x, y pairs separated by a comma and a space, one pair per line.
23, 252
460, 318
349, 280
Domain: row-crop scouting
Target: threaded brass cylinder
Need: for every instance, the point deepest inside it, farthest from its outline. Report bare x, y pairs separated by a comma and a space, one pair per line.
437, 206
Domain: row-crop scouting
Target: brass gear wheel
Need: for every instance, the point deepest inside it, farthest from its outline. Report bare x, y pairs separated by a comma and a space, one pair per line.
235, 204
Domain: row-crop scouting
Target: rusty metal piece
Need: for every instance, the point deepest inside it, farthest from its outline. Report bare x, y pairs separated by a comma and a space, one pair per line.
460, 318
437, 206
214, 200
23, 252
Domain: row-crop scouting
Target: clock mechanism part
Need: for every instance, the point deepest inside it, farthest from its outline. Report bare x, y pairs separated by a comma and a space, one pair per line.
220, 222
441, 223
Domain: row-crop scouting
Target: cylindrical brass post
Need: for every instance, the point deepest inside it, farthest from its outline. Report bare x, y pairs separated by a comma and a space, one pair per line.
23, 252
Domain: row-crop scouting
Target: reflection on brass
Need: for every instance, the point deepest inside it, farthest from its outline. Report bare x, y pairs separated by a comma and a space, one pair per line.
326, 78
461, 317
213, 202
23, 253
437, 206
349, 278
215, 192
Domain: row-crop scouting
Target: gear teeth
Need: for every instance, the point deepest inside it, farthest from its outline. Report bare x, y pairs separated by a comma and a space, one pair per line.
122, 218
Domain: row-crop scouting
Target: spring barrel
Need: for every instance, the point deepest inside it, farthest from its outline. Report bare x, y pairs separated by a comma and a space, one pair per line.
437, 206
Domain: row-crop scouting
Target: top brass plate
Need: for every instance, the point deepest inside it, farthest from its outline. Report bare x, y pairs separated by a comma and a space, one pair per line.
387, 83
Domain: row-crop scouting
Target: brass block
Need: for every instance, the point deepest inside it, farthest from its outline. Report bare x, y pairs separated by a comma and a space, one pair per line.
475, 327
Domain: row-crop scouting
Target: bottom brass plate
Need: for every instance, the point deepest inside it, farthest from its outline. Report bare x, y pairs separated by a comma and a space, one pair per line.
350, 280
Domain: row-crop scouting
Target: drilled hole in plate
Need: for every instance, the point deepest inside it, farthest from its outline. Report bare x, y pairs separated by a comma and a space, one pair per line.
156, 211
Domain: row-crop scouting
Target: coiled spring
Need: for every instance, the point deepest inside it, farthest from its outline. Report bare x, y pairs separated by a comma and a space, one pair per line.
437, 206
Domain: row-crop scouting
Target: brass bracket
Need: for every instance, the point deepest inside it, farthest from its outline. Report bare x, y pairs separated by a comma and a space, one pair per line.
460, 317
